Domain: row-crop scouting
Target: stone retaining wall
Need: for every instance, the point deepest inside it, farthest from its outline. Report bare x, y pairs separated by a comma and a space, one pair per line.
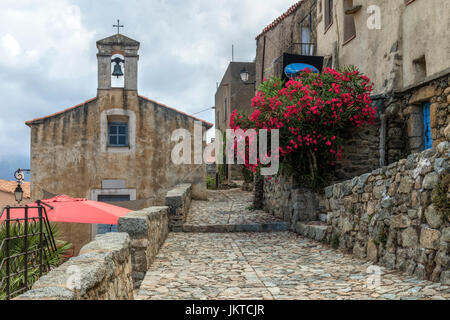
179, 201
102, 271
148, 229
389, 216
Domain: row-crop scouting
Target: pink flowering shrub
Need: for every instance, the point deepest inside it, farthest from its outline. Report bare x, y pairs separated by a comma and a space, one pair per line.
312, 112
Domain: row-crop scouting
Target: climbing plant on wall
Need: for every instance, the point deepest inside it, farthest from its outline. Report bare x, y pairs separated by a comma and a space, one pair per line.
311, 113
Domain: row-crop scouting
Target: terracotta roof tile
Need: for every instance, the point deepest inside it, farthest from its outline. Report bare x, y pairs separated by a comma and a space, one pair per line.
208, 124
10, 186
60, 112
290, 11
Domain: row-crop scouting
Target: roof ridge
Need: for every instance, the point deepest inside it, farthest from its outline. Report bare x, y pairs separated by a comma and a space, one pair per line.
141, 96
60, 112
280, 18
176, 110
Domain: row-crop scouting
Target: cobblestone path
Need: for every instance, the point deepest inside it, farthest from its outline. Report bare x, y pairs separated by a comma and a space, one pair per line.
275, 265
229, 210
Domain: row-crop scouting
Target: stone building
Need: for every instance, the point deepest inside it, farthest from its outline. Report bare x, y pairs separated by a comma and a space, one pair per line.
293, 32
390, 204
403, 47
116, 146
410, 79
232, 94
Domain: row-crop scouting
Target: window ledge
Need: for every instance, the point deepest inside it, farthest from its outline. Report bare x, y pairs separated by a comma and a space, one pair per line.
349, 40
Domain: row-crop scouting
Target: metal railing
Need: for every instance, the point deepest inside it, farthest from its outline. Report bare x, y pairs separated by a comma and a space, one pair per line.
27, 244
302, 48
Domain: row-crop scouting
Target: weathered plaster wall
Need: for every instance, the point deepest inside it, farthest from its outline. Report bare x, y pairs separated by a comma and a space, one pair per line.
387, 55
67, 158
425, 26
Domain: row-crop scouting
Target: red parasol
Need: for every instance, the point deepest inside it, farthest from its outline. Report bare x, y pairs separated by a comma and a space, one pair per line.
66, 209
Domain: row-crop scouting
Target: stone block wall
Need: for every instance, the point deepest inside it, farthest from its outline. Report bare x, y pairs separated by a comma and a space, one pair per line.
102, 271
291, 203
389, 217
405, 123
179, 201
148, 229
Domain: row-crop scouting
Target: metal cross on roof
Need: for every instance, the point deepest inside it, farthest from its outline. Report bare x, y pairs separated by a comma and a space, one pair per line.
118, 26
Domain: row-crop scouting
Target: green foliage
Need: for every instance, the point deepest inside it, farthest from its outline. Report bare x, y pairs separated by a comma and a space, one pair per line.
312, 114
335, 241
210, 182
248, 175
17, 246
440, 197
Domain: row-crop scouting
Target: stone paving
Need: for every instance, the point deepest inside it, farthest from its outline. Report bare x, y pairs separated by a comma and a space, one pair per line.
229, 210
277, 265
270, 266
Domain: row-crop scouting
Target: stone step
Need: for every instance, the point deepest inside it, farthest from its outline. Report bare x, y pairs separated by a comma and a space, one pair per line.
315, 231
224, 228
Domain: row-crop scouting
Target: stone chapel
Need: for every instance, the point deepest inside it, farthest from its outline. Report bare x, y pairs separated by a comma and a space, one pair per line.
116, 146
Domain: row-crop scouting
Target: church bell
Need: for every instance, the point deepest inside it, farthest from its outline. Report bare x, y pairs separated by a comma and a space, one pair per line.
117, 68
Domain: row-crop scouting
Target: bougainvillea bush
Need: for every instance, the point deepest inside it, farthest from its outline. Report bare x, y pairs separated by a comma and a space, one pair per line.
311, 112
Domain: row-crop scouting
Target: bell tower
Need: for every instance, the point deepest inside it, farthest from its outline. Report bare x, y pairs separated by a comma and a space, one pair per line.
117, 45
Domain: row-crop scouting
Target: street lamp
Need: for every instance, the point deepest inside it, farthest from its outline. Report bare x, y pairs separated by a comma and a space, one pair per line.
18, 193
20, 177
245, 75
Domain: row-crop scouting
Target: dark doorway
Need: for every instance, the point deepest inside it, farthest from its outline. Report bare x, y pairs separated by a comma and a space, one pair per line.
105, 228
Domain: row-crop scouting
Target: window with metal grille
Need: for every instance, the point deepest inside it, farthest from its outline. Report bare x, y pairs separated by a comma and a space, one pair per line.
118, 134
349, 22
427, 126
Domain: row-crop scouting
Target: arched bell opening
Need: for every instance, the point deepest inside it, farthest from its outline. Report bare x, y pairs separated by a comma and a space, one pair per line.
118, 71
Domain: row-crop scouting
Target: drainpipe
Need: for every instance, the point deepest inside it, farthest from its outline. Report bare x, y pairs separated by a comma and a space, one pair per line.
383, 140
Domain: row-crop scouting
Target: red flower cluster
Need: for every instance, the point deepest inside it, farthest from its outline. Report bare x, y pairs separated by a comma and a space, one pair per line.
311, 111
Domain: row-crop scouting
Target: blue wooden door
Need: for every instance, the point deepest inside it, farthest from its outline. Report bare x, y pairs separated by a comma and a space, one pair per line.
427, 126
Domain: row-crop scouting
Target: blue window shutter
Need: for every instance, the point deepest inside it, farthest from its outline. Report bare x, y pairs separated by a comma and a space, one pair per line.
118, 134
427, 126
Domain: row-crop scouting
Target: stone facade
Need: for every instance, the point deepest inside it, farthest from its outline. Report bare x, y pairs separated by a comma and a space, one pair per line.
148, 229
389, 215
102, 271
233, 94
405, 119
75, 143
400, 52
289, 202
284, 35
179, 201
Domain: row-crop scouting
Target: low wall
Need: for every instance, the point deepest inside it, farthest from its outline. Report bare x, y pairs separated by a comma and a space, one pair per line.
148, 229
179, 201
102, 271
389, 215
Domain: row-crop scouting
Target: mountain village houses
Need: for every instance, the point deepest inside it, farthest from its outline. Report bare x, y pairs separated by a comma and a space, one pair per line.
381, 39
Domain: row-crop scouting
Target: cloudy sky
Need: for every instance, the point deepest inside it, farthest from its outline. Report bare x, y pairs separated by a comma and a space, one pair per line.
48, 55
